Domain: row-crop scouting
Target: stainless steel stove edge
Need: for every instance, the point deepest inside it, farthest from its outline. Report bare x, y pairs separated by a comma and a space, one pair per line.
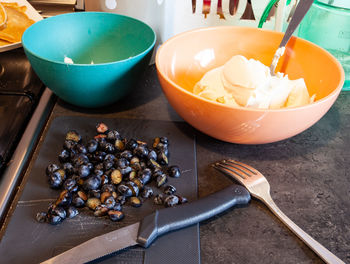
13, 172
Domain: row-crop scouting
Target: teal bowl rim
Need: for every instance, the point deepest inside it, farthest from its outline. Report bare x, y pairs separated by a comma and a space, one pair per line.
25, 33
332, 7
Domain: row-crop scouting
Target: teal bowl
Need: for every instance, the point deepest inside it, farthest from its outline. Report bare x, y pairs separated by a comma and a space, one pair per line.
109, 53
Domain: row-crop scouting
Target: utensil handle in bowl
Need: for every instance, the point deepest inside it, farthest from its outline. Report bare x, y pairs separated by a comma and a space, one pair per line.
300, 11
320, 250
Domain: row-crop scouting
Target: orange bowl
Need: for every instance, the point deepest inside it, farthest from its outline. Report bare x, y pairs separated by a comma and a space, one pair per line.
184, 59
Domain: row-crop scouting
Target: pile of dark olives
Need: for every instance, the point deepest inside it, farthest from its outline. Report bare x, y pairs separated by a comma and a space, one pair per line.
108, 172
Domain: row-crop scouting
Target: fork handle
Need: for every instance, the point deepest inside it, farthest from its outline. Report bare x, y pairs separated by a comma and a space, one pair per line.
320, 250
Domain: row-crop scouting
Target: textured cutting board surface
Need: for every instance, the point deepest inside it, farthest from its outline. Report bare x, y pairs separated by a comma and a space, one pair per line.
28, 241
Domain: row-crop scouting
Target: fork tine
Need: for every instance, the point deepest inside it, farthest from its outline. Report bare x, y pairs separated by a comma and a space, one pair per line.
223, 168
245, 166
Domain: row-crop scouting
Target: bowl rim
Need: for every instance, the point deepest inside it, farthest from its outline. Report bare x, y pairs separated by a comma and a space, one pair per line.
334, 93
88, 13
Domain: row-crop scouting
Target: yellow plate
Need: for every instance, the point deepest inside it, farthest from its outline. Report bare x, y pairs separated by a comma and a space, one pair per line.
30, 12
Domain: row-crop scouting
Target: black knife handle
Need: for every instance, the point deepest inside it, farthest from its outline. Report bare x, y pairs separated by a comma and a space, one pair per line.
169, 219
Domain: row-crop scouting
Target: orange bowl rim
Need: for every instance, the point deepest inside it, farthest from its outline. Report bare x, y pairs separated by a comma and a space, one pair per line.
334, 93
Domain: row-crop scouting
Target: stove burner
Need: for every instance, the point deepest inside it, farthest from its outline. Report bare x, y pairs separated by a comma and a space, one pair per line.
20, 91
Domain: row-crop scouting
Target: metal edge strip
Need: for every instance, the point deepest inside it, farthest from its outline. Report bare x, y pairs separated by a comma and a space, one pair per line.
13, 172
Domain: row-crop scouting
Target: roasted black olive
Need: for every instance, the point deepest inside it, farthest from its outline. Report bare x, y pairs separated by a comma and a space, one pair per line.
146, 192
104, 196
110, 157
109, 148
70, 185
56, 211
117, 207
152, 155
71, 212
132, 175
108, 164
95, 193
131, 144
125, 190
116, 176
93, 202
41, 217
135, 201
136, 166
141, 151
64, 156
171, 200
164, 140
161, 179
102, 141
138, 182
51, 168
104, 179
134, 160
162, 158
68, 168
119, 145
69, 144
113, 135
161, 147
155, 142
80, 159
101, 210
125, 171
82, 195
159, 199
64, 199
84, 171
134, 188
157, 172
54, 219
121, 199
80, 148
126, 154
55, 180
92, 183
122, 163
152, 164
115, 215
74, 136
174, 171
145, 176
78, 201
92, 145
110, 202
182, 199
169, 189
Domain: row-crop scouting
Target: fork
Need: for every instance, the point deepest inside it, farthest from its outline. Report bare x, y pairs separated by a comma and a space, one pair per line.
259, 187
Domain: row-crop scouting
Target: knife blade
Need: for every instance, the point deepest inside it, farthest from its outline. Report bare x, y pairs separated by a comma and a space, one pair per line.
160, 222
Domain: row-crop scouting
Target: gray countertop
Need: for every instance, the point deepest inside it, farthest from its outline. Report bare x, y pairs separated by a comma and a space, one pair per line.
308, 174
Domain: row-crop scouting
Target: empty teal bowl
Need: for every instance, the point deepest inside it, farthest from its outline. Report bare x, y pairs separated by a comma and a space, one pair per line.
89, 59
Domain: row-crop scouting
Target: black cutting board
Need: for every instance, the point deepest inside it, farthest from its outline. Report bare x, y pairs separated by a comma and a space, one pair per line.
28, 241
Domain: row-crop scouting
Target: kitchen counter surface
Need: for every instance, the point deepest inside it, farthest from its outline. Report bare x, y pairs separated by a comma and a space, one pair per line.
308, 174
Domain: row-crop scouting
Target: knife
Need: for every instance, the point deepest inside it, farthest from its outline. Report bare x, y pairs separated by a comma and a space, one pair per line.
160, 222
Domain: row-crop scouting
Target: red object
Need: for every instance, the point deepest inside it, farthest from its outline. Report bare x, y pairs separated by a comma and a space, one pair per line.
206, 7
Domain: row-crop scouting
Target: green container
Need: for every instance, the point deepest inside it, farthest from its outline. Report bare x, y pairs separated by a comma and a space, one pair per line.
109, 54
327, 24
